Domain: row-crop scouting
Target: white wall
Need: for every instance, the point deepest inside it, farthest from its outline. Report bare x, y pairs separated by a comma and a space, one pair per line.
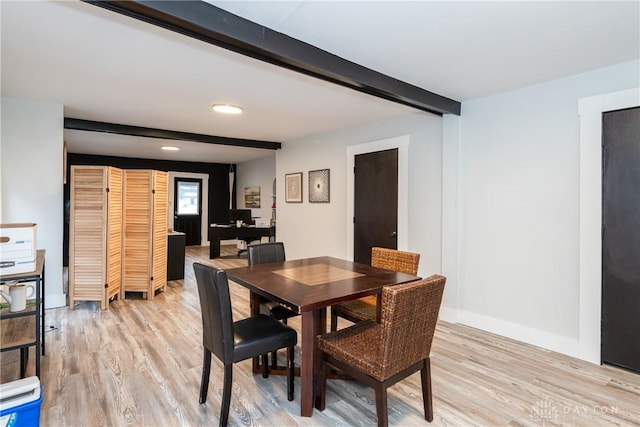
494, 204
204, 223
257, 173
32, 174
519, 183
314, 229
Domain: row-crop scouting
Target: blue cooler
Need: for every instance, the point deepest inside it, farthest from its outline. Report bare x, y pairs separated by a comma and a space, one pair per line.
20, 403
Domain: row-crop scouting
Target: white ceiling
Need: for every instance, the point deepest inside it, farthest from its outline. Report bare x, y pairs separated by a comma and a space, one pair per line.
107, 67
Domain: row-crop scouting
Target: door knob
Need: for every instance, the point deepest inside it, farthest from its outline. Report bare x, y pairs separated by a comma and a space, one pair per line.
393, 234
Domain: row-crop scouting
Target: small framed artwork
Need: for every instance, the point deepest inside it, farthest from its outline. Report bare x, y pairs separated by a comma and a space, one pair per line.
293, 187
319, 186
252, 197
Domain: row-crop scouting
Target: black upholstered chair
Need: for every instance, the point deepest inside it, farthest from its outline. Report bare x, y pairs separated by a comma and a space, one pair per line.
232, 341
261, 254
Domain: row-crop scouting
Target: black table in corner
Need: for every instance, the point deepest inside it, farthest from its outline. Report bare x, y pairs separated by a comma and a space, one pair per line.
225, 232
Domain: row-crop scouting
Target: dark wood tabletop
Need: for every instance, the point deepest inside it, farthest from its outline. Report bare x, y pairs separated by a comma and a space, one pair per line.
309, 286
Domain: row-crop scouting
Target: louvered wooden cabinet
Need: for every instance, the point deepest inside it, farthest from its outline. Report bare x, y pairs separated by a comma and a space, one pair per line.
146, 201
95, 234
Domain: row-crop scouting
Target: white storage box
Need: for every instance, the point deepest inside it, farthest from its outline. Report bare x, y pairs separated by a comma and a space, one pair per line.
17, 248
263, 223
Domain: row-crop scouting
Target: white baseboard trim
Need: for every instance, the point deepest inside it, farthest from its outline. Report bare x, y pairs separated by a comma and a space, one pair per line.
558, 343
449, 314
55, 301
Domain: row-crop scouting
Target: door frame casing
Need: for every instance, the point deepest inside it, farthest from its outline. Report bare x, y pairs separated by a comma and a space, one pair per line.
590, 110
402, 144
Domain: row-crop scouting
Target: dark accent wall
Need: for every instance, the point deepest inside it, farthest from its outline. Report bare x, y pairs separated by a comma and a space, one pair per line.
218, 183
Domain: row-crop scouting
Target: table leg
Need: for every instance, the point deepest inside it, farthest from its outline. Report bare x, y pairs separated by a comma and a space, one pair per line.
306, 364
313, 324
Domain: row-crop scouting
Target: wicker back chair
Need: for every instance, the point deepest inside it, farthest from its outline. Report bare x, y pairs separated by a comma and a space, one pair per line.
366, 308
395, 260
380, 355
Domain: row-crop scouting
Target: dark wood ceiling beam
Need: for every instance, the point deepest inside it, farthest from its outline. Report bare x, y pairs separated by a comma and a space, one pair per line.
216, 26
92, 126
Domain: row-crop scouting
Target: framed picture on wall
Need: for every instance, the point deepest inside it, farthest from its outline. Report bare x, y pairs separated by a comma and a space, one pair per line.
293, 187
252, 197
319, 186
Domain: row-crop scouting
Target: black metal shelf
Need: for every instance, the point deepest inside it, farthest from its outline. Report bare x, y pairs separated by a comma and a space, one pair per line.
35, 309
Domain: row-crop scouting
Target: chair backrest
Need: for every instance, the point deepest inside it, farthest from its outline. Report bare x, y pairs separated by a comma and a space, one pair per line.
409, 317
395, 260
215, 306
266, 252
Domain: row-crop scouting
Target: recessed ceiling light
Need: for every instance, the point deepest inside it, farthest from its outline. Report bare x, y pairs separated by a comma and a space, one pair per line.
227, 109
170, 148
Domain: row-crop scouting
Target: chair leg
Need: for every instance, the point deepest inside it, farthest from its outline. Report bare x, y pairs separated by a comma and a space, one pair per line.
265, 365
274, 359
290, 372
334, 321
425, 374
322, 385
206, 369
381, 405
226, 394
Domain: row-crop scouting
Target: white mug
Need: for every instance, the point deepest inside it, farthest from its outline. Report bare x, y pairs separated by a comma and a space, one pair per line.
17, 297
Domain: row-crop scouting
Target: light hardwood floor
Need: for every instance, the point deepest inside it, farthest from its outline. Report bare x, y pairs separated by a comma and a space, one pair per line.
139, 364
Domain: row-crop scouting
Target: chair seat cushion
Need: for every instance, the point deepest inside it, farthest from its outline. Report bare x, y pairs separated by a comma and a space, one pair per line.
362, 308
357, 346
260, 334
275, 310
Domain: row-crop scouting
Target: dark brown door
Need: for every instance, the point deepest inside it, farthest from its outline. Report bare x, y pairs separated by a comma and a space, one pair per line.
187, 213
621, 239
375, 220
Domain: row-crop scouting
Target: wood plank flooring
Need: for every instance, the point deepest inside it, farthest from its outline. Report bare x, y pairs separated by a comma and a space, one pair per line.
139, 364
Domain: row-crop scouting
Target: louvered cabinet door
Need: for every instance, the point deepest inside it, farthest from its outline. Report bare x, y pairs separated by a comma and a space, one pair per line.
114, 234
160, 223
137, 221
87, 234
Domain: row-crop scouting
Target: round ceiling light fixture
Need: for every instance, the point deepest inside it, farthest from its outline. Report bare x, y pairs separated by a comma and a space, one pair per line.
169, 148
227, 109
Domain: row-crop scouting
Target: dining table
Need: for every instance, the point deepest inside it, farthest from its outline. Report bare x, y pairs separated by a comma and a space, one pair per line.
308, 286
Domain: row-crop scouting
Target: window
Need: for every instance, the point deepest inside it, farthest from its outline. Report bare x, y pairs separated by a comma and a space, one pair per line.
188, 194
